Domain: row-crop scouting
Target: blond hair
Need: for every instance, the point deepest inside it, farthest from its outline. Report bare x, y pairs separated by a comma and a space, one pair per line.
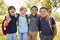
23, 8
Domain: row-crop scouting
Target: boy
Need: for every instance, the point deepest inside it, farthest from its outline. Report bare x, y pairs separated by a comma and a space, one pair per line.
47, 27
33, 24
22, 24
11, 20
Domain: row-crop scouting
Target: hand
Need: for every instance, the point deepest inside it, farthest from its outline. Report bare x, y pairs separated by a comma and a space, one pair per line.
8, 19
47, 18
6, 22
53, 36
4, 28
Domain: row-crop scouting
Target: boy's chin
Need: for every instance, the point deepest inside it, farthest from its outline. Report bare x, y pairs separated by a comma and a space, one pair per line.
43, 17
23, 13
12, 14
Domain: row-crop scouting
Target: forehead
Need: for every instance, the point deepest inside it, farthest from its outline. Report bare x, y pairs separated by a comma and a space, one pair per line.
43, 10
34, 8
23, 9
12, 9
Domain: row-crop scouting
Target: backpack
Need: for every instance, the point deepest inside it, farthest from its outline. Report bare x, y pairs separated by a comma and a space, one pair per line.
3, 28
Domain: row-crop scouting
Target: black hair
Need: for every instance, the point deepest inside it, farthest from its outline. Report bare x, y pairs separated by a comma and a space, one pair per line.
44, 8
34, 7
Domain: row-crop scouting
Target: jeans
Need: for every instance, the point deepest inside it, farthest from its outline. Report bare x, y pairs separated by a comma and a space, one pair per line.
46, 37
11, 36
23, 36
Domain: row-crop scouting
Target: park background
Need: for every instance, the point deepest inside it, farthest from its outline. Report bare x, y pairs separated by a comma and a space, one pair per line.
52, 5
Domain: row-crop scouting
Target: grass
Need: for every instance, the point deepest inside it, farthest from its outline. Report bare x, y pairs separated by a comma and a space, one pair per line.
3, 37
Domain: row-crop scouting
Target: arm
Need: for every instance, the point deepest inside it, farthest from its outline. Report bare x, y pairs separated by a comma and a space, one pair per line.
54, 30
7, 21
17, 16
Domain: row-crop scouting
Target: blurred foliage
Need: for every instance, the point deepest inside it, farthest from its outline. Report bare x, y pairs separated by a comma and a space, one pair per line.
3, 7
56, 16
30, 3
47, 3
50, 4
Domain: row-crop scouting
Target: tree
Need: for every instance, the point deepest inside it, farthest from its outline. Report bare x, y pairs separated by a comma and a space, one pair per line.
47, 3
30, 3
3, 7
50, 4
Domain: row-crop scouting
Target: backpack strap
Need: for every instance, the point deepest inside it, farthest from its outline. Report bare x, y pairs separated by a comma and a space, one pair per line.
50, 23
26, 17
39, 23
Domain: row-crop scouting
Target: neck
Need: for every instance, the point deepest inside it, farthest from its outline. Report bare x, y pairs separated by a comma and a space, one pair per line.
22, 14
34, 15
11, 15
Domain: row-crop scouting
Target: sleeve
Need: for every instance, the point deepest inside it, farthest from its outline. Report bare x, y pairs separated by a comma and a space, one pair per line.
53, 21
16, 16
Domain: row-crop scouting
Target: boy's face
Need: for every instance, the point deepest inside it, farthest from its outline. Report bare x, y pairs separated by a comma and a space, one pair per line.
43, 13
23, 11
34, 11
12, 11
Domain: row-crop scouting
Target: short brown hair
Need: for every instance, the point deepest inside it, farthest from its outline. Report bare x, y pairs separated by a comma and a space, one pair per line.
23, 8
43, 8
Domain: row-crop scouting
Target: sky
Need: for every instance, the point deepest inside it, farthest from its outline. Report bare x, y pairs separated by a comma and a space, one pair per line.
18, 3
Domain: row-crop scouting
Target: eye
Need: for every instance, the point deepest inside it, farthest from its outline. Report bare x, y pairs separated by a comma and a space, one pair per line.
41, 11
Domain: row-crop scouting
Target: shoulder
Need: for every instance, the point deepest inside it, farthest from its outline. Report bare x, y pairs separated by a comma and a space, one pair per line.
29, 15
52, 20
26, 15
38, 16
